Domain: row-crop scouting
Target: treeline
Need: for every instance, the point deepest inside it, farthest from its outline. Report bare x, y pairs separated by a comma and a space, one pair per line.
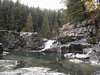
75, 11
80, 10
19, 17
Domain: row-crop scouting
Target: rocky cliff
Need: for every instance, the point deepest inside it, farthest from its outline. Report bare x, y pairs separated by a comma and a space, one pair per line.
80, 42
22, 40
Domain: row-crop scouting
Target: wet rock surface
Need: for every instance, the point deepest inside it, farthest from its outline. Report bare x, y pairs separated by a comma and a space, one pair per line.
6, 65
33, 41
22, 40
1, 51
78, 45
7, 68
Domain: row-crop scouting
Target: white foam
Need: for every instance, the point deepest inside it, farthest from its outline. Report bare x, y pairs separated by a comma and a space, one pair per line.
76, 60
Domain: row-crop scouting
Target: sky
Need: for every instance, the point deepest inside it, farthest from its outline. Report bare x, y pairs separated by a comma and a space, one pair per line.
44, 4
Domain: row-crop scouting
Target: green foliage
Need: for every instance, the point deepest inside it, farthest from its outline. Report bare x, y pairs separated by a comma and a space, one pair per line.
75, 11
29, 24
45, 29
60, 18
92, 40
15, 16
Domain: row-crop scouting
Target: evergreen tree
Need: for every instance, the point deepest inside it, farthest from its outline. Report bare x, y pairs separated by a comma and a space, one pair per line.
45, 30
29, 24
1, 16
18, 13
10, 16
4, 14
15, 16
75, 10
38, 19
60, 18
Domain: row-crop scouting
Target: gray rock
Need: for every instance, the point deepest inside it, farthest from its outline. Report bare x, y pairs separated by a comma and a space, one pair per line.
1, 51
7, 68
22, 40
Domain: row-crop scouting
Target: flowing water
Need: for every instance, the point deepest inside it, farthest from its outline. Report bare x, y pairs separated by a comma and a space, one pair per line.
18, 63
42, 64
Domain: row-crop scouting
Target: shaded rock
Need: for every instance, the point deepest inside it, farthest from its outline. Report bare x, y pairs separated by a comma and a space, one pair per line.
75, 48
32, 40
7, 65
23, 40
1, 51
3, 37
92, 40
72, 33
7, 68
66, 39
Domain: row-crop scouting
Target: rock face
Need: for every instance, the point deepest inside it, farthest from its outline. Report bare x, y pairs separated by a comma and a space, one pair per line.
80, 43
25, 41
7, 68
75, 48
1, 51
31, 71
7, 65
32, 41
22, 40
3, 37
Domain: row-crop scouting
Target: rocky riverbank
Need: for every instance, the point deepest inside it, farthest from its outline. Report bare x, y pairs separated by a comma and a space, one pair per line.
7, 67
23, 40
73, 45
79, 45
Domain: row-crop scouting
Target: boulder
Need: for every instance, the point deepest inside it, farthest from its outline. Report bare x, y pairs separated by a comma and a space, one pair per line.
32, 41
75, 48
20, 41
66, 39
3, 37
1, 51
69, 33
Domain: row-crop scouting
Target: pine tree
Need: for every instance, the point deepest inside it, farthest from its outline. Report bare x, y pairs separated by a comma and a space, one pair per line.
15, 16
75, 10
18, 16
45, 29
29, 24
1, 16
60, 17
